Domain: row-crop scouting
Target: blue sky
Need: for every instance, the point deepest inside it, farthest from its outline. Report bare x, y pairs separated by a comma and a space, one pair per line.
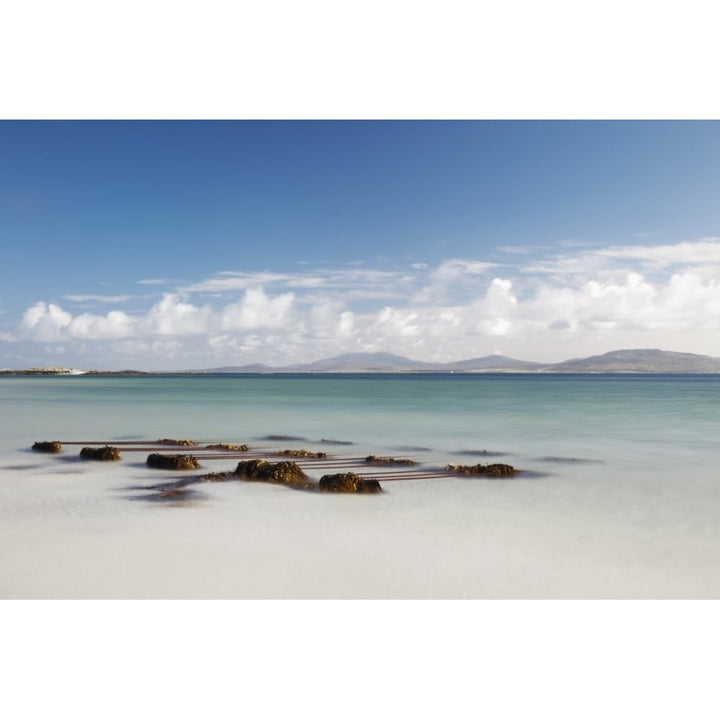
182, 244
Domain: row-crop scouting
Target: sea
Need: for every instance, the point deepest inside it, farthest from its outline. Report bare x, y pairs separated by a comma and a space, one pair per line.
617, 493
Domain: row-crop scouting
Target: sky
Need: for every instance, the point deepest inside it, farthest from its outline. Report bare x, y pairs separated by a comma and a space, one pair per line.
172, 245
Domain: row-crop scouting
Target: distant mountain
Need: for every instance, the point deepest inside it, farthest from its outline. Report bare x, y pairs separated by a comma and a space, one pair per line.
386, 362
639, 361
493, 362
618, 361
363, 362
253, 368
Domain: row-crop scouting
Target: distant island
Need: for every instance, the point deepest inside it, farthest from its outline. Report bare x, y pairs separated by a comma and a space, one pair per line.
617, 361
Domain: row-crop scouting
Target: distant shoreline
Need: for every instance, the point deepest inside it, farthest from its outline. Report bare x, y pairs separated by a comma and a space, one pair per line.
337, 373
637, 361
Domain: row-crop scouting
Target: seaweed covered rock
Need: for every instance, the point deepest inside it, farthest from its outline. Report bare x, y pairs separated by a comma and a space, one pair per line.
227, 446
100, 453
172, 494
348, 483
172, 462
494, 470
170, 441
376, 460
217, 476
47, 447
303, 453
284, 437
282, 473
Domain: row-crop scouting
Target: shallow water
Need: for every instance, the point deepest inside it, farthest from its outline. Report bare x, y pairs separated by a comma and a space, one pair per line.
619, 498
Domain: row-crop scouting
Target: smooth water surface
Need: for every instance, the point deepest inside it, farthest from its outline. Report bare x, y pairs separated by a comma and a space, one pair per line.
619, 498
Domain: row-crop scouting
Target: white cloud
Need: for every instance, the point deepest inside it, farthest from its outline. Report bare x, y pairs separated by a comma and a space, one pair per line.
230, 281
703, 251
547, 309
98, 298
45, 321
154, 281
172, 316
257, 310
116, 324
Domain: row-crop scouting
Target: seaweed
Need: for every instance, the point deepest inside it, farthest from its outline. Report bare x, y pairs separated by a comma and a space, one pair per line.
348, 483
47, 447
172, 462
102, 453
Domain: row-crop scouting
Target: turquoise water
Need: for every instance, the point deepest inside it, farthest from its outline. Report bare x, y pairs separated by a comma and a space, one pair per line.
600, 417
619, 499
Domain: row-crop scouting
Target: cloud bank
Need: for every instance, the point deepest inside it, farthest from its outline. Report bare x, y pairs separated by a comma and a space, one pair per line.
545, 308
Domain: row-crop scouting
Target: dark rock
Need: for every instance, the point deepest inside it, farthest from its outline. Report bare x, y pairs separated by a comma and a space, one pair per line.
336, 442
283, 437
217, 476
228, 446
172, 493
282, 473
375, 460
494, 470
47, 447
170, 441
172, 462
348, 483
100, 453
485, 453
303, 453
171, 496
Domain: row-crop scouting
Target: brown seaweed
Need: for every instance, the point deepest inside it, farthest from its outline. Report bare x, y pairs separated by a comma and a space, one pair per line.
172, 462
282, 473
493, 470
376, 460
303, 453
102, 453
348, 483
47, 447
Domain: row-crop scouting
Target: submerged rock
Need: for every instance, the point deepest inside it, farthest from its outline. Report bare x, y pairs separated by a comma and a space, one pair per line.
494, 470
283, 437
100, 453
348, 483
170, 441
228, 446
217, 476
171, 496
375, 460
172, 462
303, 453
282, 473
47, 447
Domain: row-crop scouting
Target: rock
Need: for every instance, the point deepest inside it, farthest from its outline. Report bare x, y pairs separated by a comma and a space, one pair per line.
227, 446
170, 441
217, 476
303, 453
494, 470
282, 473
100, 453
172, 462
375, 460
47, 447
284, 437
348, 483
172, 494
